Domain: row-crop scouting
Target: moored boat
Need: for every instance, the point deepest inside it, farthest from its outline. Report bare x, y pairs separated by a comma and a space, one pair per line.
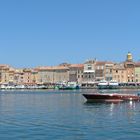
69, 86
113, 84
115, 97
108, 85
103, 84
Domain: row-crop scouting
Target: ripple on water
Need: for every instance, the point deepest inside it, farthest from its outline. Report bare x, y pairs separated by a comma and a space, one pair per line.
58, 115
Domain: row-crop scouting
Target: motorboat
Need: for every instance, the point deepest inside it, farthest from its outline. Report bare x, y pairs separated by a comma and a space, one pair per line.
103, 84
113, 84
107, 97
69, 86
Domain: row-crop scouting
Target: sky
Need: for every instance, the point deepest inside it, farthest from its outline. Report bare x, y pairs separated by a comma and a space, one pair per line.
49, 32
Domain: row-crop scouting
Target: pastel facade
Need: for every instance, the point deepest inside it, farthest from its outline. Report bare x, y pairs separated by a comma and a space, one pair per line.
34, 76
76, 73
11, 76
61, 73
137, 72
99, 70
27, 76
19, 77
4, 74
53, 74
119, 73
108, 71
130, 68
45, 75
89, 71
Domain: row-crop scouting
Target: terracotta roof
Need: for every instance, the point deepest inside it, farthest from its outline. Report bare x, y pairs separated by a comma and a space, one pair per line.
77, 65
4, 65
100, 63
109, 62
53, 68
60, 67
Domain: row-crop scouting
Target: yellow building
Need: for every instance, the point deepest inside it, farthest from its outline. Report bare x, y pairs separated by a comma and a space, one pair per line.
4, 74
34, 76
19, 77
27, 76
120, 73
11, 75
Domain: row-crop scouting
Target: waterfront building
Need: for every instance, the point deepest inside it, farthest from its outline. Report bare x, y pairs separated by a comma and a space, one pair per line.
34, 76
130, 68
119, 73
99, 70
137, 72
61, 73
19, 77
53, 74
4, 74
27, 76
108, 71
45, 75
76, 73
11, 75
89, 73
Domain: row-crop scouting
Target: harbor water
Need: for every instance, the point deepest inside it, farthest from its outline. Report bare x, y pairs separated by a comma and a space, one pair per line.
65, 115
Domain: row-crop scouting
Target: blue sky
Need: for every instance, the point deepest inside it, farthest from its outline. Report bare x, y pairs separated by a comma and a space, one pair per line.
49, 32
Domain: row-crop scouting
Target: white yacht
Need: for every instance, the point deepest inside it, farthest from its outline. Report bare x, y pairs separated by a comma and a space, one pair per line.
113, 84
103, 84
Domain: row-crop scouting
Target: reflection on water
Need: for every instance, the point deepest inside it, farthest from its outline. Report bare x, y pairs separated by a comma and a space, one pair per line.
58, 115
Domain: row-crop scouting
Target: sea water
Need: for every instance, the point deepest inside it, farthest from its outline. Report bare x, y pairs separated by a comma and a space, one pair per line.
65, 115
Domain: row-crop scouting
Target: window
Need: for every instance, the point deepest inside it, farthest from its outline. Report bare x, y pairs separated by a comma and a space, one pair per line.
89, 68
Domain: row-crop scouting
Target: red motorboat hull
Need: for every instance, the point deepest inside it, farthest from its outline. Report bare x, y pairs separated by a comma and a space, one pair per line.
111, 97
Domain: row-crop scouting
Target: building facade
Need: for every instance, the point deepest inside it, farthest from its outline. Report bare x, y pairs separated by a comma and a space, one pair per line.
137, 72
108, 71
130, 68
99, 70
119, 73
76, 73
89, 72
